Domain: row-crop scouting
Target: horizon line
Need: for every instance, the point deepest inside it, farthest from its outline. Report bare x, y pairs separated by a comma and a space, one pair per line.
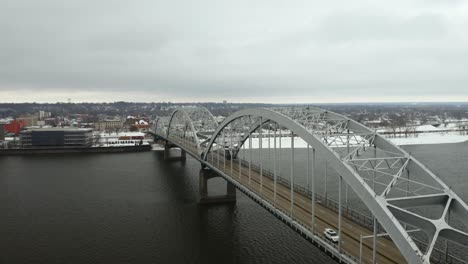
220, 102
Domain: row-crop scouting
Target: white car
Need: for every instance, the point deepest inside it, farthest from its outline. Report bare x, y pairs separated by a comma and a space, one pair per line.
331, 235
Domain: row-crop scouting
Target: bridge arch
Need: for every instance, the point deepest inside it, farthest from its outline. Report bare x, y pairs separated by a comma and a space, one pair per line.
192, 125
344, 143
160, 125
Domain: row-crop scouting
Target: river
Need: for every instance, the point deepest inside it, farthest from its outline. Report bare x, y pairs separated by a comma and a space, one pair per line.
137, 208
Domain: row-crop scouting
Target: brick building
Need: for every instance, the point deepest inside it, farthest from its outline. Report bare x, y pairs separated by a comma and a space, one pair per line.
14, 127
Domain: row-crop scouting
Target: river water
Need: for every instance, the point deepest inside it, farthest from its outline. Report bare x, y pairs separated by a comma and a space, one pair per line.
137, 208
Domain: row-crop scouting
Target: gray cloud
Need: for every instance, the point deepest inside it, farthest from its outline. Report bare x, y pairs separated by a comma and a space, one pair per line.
276, 51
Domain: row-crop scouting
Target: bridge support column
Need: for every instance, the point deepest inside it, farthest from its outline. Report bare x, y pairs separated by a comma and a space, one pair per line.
167, 153
205, 175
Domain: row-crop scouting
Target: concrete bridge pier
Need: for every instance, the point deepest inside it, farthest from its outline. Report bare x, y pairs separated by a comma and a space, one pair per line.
167, 153
205, 175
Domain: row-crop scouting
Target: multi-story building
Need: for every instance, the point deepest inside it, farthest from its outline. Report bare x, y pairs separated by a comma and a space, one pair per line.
43, 115
30, 120
56, 137
108, 125
51, 121
14, 127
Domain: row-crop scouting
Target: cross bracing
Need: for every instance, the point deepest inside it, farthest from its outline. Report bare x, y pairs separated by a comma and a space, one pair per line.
160, 125
191, 125
389, 181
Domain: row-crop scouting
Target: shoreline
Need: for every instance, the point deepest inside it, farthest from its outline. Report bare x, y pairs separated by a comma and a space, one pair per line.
430, 139
36, 151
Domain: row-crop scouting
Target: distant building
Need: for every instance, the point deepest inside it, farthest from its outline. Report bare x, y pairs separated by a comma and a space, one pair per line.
30, 120
51, 121
136, 123
2, 133
14, 127
43, 115
142, 125
123, 139
373, 123
41, 123
56, 137
108, 125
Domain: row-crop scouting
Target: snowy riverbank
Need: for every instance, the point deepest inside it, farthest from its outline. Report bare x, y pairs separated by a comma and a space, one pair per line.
431, 138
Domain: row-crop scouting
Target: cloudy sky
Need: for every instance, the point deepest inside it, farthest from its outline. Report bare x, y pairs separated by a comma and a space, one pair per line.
240, 51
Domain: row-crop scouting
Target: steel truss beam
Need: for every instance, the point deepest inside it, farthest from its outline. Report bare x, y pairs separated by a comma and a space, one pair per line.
193, 125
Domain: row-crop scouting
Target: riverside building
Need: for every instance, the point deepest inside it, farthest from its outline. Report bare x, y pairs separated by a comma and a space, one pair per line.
56, 138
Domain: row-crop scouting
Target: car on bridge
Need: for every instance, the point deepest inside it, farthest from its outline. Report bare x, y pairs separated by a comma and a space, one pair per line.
331, 235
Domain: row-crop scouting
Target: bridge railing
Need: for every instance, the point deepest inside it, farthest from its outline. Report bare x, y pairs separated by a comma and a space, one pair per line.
187, 143
350, 213
318, 238
438, 255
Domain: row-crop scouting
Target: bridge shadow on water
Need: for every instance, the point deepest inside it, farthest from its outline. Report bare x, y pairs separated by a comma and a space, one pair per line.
213, 235
242, 232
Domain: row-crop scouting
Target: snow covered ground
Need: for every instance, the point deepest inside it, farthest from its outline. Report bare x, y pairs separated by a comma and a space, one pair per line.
430, 135
431, 138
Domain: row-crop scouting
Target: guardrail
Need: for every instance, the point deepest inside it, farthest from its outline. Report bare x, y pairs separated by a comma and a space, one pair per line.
318, 238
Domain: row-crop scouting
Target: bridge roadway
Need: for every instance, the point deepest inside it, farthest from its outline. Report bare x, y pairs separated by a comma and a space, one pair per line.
387, 252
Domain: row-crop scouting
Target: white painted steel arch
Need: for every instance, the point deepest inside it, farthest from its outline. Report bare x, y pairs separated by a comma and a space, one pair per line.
328, 133
160, 125
199, 120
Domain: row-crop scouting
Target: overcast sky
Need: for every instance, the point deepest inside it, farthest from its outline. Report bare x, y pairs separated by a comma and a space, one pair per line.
240, 51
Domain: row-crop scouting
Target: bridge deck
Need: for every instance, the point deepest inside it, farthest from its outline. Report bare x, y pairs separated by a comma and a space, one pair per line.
302, 213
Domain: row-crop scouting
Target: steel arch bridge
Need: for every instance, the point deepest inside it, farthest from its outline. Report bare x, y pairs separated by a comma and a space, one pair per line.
406, 202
